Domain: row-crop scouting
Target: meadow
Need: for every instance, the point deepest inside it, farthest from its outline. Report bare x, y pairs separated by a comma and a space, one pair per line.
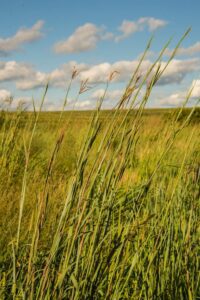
100, 204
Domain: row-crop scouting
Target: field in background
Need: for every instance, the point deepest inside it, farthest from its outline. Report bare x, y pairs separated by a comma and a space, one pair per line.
94, 207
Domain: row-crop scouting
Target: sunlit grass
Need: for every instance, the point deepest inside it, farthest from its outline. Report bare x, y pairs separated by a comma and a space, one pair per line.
101, 204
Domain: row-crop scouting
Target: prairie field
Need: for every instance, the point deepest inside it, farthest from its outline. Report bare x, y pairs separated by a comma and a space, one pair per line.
99, 150
100, 204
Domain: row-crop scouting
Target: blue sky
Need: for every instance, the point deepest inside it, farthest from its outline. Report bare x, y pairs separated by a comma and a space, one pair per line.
44, 40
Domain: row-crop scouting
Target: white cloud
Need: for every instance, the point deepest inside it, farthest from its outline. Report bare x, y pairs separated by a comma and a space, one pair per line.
72, 104
113, 97
83, 104
9, 102
83, 39
86, 37
175, 72
22, 36
24, 101
100, 73
110, 95
59, 76
26, 77
127, 28
178, 69
177, 99
51, 106
12, 70
23, 74
152, 23
38, 79
4, 95
96, 73
192, 50
195, 86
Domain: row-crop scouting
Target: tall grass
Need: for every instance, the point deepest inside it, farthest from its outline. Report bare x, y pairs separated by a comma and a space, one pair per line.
110, 212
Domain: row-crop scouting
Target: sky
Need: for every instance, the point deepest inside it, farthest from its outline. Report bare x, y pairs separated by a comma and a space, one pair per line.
45, 41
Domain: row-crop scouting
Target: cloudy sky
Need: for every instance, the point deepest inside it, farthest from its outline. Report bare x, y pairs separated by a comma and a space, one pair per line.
45, 40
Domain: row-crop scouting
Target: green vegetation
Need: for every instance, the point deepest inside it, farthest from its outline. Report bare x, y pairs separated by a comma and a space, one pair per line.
102, 204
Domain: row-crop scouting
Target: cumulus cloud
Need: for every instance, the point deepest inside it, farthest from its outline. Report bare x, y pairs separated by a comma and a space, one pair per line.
175, 72
57, 78
110, 95
23, 101
191, 50
113, 97
4, 95
83, 39
23, 74
86, 37
127, 28
72, 104
177, 99
26, 77
178, 69
22, 36
12, 103
83, 104
97, 73
152, 23
12, 70
52, 106
195, 88
37, 80
100, 73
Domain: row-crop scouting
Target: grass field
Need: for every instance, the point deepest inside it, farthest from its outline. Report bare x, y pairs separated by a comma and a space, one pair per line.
104, 220
101, 204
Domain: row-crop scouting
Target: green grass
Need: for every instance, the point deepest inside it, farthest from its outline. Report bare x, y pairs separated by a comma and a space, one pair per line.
101, 204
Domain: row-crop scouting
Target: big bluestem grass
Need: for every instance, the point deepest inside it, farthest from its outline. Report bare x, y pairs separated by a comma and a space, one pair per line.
101, 208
